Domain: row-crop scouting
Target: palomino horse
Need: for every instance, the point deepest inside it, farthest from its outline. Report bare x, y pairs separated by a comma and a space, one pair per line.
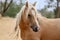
28, 21
34, 26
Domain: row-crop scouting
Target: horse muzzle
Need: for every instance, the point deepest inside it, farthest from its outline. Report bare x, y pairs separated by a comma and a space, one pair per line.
34, 28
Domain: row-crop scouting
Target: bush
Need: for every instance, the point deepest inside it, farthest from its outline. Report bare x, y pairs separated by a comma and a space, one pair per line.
13, 10
50, 15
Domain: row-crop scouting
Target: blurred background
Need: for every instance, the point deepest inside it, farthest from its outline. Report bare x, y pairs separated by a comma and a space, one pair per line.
48, 8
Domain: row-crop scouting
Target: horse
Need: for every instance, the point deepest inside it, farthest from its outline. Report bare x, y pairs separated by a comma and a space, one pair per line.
34, 26
27, 20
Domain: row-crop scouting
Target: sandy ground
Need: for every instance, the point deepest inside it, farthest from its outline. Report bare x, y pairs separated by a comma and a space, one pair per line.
6, 28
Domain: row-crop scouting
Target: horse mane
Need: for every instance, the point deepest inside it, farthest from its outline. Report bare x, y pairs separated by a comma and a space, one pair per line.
18, 16
17, 19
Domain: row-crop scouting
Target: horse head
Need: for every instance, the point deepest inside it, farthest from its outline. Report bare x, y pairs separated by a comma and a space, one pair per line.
29, 17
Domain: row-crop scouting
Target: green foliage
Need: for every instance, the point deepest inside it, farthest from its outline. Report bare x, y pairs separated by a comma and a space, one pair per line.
46, 13
50, 15
13, 10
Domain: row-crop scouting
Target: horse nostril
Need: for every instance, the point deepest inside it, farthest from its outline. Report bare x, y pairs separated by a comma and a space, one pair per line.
35, 28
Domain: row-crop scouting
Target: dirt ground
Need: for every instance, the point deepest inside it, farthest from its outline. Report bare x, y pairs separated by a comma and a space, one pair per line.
7, 25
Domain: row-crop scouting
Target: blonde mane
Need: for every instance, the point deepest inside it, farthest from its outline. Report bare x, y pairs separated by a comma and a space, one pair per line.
18, 16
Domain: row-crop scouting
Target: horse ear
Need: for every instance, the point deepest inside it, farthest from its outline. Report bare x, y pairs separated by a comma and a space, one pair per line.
26, 4
34, 3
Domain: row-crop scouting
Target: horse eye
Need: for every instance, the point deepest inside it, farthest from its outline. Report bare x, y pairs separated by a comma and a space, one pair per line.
29, 15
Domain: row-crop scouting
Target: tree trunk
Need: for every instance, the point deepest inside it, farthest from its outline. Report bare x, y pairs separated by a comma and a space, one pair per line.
57, 11
5, 7
58, 14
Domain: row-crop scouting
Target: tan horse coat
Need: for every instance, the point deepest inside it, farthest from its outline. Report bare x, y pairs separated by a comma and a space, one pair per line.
50, 28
